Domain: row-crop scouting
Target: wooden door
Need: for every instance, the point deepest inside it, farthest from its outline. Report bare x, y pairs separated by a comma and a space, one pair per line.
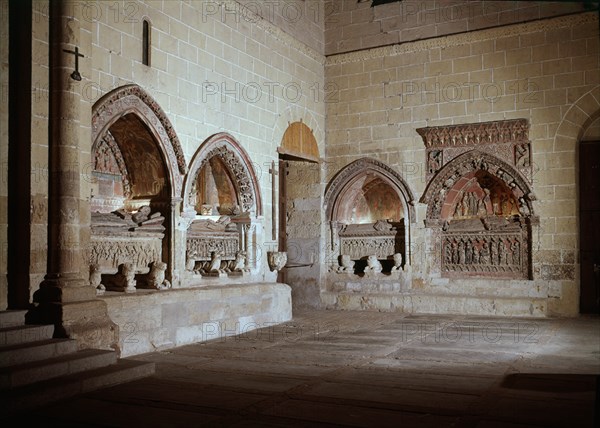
589, 226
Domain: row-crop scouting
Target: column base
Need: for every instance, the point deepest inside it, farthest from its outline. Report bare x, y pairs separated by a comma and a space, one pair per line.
71, 305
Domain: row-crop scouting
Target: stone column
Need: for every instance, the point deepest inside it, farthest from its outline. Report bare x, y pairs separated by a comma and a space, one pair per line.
65, 297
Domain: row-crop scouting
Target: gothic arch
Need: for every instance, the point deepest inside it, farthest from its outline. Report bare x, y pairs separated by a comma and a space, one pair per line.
133, 99
579, 116
238, 163
351, 172
472, 161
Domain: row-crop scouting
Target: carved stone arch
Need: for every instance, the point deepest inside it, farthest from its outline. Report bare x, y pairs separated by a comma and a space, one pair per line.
472, 161
237, 161
133, 99
351, 172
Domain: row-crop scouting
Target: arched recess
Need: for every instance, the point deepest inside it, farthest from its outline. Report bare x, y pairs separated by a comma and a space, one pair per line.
359, 169
136, 161
133, 100
369, 200
227, 154
441, 193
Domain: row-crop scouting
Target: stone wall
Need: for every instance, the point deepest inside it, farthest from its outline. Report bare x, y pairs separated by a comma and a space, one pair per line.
305, 218
353, 25
545, 71
223, 70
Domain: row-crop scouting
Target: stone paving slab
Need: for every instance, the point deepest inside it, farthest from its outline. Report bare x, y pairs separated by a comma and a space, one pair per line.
341, 368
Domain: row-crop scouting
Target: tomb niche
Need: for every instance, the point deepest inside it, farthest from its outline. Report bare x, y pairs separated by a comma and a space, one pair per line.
132, 193
479, 199
369, 208
221, 200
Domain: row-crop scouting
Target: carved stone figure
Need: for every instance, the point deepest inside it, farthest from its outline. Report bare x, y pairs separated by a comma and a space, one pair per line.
142, 215
96, 279
156, 277
461, 252
373, 265
484, 254
494, 252
522, 156
276, 260
215, 262
502, 253
346, 264
125, 278
515, 247
434, 161
397, 262
239, 264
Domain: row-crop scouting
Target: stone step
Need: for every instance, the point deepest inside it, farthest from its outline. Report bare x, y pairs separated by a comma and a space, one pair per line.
12, 318
35, 395
25, 334
35, 351
37, 371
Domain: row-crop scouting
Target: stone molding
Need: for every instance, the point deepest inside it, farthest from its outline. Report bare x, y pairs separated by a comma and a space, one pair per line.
475, 160
464, 38
133, 99
237, 161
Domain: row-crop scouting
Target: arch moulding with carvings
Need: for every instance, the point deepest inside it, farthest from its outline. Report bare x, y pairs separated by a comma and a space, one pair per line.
239, 164
133, 99
472, 161
360, 167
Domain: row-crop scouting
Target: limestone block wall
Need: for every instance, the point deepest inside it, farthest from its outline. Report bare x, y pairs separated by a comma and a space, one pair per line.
228, 70
353, 25
545, 71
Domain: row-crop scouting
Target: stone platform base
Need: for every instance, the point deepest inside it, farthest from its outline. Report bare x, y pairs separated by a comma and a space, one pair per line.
156, 320
512, 298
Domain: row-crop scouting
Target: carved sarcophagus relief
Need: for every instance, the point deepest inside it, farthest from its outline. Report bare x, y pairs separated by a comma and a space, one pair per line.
362, 240
211, 242
495, 250
120, 237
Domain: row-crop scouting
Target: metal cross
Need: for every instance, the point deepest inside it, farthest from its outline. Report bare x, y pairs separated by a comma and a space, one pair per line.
75, 75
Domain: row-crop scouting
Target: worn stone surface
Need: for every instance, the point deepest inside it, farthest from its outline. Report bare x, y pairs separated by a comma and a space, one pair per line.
157, 320
363, 369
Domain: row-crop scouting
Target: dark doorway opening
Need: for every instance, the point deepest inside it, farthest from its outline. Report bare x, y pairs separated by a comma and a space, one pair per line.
589, 226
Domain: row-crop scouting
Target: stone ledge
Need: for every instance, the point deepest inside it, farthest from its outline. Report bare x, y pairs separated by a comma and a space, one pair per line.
157, 320
422, 303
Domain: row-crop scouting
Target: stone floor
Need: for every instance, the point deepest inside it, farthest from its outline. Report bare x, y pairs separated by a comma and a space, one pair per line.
334, 368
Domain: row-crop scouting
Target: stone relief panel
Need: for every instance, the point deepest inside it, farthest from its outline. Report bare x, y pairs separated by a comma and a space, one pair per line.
479, 199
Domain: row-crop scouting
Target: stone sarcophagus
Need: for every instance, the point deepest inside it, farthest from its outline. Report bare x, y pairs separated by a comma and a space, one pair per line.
211, 241
381, 239
121, 237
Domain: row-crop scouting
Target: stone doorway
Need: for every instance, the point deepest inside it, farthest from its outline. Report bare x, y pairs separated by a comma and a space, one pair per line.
299, 223
589, 221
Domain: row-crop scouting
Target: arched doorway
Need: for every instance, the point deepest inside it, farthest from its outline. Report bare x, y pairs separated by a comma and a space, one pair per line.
579, 131
136, 174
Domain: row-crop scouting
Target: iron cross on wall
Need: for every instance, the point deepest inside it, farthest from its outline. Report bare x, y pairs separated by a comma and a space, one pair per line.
75, 75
